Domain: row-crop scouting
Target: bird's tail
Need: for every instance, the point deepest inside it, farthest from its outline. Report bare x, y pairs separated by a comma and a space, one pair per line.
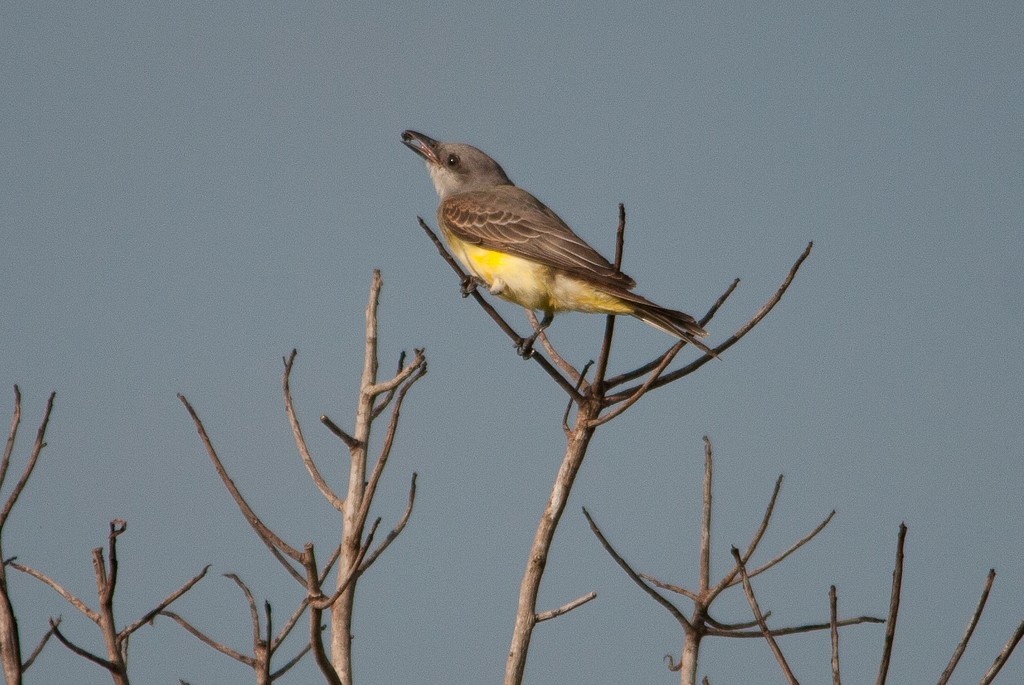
673, 322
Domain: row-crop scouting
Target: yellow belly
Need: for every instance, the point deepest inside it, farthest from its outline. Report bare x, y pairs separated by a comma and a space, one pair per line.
534, 285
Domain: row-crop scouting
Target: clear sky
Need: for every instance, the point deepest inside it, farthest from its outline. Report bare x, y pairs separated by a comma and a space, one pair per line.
188, 191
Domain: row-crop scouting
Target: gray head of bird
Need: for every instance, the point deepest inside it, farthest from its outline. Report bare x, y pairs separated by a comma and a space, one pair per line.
456, 167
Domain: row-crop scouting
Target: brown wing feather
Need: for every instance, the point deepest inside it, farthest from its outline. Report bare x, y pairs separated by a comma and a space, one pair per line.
508, 219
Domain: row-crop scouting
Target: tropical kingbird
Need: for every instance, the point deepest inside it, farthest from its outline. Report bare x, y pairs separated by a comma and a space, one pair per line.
523, 251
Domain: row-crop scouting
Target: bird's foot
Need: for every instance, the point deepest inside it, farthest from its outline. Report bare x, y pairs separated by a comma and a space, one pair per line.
525, 346
469, 285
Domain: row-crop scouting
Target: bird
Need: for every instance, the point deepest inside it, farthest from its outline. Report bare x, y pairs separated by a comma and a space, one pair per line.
523, 252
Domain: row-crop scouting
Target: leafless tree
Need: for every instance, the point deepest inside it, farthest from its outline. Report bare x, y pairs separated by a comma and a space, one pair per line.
597, 401
115, 641
353, 555
700, 623
10, 639
264, 643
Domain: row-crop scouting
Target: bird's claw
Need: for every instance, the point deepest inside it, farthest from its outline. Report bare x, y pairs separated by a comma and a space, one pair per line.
525, 346
469, 285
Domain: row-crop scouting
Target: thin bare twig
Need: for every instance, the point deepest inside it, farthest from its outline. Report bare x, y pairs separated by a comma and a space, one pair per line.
565, 608
275, 544
349, 441
894, 607
37, 448
729, 342
58, 588
635, 577
754, 607
209, 641
833, 609
962, 646
1001, 659
395, 532
167, 601
84, 653
795, 630
300, 440
703, 321
704, 581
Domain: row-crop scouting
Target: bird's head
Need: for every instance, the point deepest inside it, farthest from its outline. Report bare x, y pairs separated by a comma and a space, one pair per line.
455, 167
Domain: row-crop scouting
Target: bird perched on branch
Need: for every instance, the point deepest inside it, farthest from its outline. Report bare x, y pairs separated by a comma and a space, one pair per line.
522, 251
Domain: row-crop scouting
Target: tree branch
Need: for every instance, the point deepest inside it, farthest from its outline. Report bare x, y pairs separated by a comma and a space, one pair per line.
275, 544
565, 608
754, 607
962, 646
894, 607
300, 440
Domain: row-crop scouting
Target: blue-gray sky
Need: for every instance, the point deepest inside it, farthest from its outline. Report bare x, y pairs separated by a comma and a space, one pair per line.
188, 191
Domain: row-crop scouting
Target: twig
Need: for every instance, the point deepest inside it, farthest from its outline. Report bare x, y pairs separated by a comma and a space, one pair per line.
787, 671
565, 608
833, 607
300, 440
894, 607
729, 342
37, 448
275, 544
635, 577
1001, 659
39, 648
962, 646
78, 650
59, 589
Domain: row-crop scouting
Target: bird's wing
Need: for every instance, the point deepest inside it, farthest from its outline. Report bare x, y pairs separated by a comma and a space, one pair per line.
508, 219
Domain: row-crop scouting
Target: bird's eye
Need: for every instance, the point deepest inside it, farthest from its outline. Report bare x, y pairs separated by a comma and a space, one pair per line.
453, 160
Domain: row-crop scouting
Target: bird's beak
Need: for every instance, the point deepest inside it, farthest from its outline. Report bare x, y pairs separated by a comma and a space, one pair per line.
425, 146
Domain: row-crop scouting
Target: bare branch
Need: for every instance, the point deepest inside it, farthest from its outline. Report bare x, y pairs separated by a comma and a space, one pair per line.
727, 581
642, 370
290, 624
962, 646
795, 630
254, 614
642, 389
167, 601
833, 608
209, 641
349, 441
669, 586
794, 547
68, 597
1007, 650
12, 435
894, 606
39, 648
291, 662
787, 671
609, 323
729, 342
54, 626
40, 443
354, 573
567, 368
395, 532
300, 440
704, 581
565, 608
420, 369
275, 544
635, 577
379, 407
